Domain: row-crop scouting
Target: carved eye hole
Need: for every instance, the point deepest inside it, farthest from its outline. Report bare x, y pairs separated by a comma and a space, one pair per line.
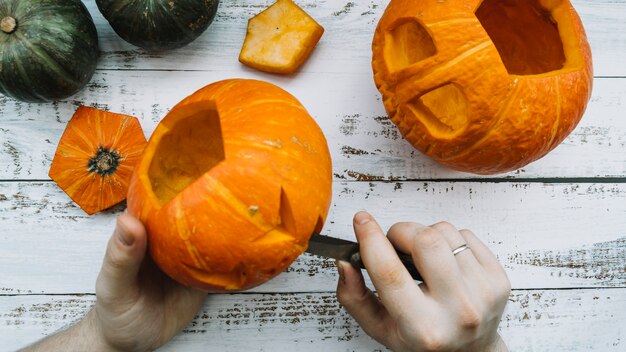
525, 35
192, 147
406, 44
442, 110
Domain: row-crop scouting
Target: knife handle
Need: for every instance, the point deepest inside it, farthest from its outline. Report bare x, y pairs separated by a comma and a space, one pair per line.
406, 260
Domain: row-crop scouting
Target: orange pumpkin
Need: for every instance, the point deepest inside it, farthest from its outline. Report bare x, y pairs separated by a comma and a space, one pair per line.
232, 184
96, 156
483, 86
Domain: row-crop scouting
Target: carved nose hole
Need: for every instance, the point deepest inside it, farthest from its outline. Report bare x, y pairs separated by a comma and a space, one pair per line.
442, 110
525, 35
406, 44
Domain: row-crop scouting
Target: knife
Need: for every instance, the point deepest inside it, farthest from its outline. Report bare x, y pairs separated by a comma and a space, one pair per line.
336, 248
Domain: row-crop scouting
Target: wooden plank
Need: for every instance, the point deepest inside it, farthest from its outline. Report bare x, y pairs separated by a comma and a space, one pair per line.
345, 46
546, 235
364, 144
592, 320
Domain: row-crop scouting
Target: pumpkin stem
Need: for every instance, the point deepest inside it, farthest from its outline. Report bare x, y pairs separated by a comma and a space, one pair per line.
105, 162
8, 25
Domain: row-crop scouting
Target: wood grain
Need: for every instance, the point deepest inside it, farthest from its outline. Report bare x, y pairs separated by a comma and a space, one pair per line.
345, 47
558, 225
591, 320
546, 235
364, 144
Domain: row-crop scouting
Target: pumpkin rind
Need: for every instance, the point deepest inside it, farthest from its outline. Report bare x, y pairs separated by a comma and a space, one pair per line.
52, 51
458, 103
95, 157
159, 24
251, 211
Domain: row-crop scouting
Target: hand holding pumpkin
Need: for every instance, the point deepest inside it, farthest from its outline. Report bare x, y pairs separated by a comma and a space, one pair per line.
459, 305
138, 308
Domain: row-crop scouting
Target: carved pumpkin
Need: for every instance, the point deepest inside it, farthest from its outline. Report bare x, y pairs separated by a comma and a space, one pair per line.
232, 184
96, 156
483, 86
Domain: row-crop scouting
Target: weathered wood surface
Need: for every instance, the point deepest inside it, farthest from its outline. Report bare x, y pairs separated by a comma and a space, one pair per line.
345, 46
364, 144
546, 235
562, 244
542, 320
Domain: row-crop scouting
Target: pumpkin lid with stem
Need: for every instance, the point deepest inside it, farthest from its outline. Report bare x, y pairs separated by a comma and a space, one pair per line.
96, 156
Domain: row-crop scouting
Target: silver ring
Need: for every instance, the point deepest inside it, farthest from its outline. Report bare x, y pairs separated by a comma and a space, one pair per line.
460, 249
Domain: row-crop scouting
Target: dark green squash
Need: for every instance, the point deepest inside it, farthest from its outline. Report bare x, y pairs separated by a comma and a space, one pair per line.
48, 48
159, 24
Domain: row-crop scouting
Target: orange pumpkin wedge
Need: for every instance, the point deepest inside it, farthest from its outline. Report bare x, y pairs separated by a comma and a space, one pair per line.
96, 156
233, 183
280, 38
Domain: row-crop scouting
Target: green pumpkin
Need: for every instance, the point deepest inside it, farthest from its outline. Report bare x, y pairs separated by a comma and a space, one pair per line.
48, 48
159, 24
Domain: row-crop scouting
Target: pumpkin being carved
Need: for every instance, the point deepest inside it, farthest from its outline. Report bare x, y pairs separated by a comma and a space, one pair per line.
231, 186
483, 86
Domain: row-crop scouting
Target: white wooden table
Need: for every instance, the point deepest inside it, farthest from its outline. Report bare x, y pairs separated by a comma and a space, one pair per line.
558, 225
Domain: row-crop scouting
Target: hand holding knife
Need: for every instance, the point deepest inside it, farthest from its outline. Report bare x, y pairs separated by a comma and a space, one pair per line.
336, 248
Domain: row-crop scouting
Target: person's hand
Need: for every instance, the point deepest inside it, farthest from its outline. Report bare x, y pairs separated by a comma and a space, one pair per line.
138, 308
457, 307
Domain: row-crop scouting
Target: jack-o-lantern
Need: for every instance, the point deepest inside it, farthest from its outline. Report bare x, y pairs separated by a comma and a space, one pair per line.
233, 183
483, 86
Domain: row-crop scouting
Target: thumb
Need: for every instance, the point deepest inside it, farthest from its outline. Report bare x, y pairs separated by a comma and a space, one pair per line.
124, 255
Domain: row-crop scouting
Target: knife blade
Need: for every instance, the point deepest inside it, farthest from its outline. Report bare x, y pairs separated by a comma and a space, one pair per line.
337, 248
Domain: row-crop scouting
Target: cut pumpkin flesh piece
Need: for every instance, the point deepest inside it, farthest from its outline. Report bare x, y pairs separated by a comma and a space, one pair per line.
280, 38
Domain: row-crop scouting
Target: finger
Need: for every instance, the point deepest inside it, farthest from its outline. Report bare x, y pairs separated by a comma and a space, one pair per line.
362, 304
465, 259
401, 235
483, 255
496, 286
432, 256
124, 255
396, 289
